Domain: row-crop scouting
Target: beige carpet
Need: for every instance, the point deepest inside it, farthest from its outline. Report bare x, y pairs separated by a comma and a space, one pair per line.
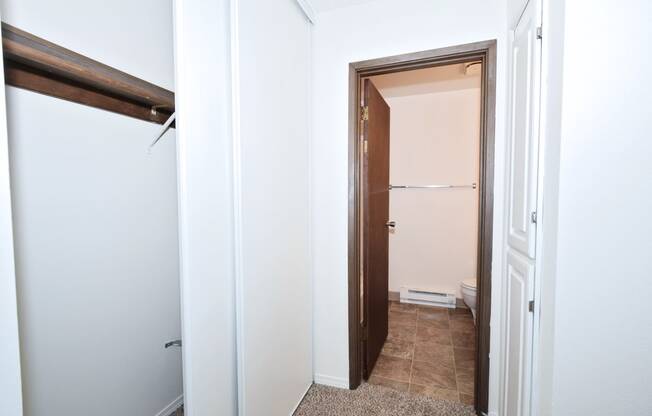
372, 400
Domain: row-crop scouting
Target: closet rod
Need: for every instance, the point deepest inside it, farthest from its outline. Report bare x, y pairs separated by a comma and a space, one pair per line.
473, 185
41, 66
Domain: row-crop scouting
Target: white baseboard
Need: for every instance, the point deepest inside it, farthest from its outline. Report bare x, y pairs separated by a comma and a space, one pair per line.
300, 399
167, 411
342, 383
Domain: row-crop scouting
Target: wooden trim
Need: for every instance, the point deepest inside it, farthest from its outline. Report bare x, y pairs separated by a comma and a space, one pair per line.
37, 65
485, 240
355, 344
485, 52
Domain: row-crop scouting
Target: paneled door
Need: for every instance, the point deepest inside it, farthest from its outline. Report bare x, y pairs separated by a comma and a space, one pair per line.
518, 351
524, 131
375, 119
522, 221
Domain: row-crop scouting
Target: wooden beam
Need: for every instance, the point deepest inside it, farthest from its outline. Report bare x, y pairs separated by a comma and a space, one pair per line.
37, 65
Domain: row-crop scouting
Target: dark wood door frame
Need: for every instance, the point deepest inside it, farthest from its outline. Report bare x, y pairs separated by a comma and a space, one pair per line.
484, 52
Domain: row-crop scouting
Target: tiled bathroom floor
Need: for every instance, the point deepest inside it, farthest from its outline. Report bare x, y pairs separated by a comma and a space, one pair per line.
429, 351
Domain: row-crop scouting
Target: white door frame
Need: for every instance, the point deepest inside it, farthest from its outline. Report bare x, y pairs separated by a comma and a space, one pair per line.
11, 400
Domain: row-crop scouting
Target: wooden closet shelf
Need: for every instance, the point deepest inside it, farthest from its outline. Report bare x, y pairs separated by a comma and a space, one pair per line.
37, 65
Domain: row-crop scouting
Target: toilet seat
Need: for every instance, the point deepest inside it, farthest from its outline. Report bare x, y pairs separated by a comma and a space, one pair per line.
469, 283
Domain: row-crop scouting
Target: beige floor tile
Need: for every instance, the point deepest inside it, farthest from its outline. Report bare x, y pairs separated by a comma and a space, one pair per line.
464, 357
462, 325
435, 354
436, 320
429, 351
386, 382
433, 375
403, 307
430, 335
407, 333
460, 312
402, 318
392, 368
466, 375
432, 309
398, 348
467, 399
463, 339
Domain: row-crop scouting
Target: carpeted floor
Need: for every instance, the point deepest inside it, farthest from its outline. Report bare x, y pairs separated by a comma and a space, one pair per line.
372, 400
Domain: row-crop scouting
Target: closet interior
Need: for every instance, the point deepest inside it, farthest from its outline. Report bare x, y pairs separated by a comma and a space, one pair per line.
95, 223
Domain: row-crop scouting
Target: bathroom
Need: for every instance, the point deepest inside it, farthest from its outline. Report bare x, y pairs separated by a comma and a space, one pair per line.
434, 216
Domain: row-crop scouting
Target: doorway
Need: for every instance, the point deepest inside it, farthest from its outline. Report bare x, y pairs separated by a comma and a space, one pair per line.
369, 221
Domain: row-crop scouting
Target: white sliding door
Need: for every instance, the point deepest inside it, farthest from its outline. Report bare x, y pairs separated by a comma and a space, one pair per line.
518, 301
11, 403
274, 294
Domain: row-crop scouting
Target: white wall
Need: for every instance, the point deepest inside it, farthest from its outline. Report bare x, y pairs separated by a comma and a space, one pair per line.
514, 10
434, 139
11, 400
206, 224
601, 312
373, 30
95, 222
275, 312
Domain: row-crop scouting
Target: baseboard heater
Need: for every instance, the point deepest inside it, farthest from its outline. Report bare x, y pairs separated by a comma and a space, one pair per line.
428, 297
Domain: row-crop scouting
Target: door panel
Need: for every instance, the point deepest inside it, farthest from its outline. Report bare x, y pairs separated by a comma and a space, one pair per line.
518, 353
523, 176
526, 56
376, 214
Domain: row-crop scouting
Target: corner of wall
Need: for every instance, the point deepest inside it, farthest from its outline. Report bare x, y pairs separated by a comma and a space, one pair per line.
167, 410
325, 380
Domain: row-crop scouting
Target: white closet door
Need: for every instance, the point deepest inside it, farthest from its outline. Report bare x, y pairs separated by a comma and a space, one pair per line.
519, 272
518, 353
274, 285
10, 378
526, 71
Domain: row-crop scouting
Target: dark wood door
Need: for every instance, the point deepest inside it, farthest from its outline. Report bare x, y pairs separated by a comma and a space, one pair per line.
375, 119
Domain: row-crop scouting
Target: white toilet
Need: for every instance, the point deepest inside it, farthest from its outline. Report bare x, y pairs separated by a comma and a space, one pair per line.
469, 290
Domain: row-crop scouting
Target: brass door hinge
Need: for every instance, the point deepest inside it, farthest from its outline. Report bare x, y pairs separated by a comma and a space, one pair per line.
365, 145
364, 114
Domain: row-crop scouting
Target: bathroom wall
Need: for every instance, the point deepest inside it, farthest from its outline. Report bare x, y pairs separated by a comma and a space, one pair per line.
95, 223
434, 139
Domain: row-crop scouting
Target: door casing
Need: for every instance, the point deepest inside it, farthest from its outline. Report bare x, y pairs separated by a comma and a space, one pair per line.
485, 52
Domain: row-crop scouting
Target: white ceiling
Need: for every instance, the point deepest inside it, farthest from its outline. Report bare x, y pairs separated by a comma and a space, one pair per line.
428, 81
325, 5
